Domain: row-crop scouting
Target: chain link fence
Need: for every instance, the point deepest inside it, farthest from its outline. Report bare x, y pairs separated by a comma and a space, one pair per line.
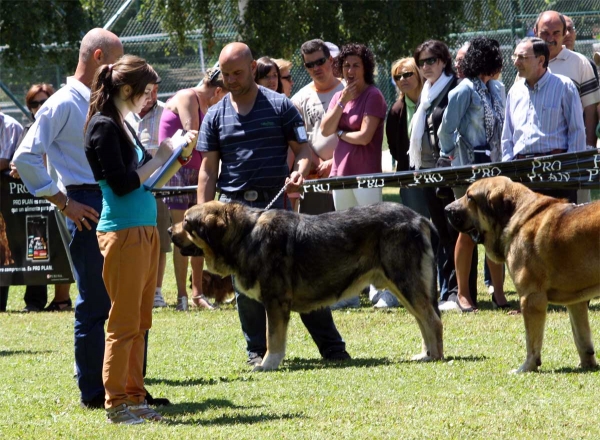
504, 20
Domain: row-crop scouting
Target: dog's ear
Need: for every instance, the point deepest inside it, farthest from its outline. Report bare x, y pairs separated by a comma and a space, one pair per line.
501, 203
215, 221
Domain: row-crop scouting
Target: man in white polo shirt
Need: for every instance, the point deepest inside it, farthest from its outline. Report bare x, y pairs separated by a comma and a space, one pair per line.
551, 27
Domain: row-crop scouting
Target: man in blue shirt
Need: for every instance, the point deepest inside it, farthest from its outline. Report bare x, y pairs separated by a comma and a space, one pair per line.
58, 133
543, 113
249, 132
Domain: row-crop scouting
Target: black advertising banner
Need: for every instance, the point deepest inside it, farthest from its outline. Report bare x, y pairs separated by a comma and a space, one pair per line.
569, 170
32, 250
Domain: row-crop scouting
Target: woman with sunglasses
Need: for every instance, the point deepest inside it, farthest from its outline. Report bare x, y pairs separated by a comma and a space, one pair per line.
435, 65
36, 296
267, 74
356, 115
409, 84
471, 132
285, 73
185, 111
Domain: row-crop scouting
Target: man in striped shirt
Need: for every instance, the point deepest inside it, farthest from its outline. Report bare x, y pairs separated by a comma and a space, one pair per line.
543, 113
249, 132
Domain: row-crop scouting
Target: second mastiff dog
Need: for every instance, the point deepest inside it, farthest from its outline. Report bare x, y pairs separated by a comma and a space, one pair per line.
291, 261
551, 249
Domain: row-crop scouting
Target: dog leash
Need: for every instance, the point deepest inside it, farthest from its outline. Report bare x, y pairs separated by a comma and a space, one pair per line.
277, 196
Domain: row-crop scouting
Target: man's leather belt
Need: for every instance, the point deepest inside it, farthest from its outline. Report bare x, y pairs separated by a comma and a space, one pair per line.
549, 153
83, 187
252, 195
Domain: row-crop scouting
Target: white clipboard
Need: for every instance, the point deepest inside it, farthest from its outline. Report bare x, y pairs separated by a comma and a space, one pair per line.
159, 178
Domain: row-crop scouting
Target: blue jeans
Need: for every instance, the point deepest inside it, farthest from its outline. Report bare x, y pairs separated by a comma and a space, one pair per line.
92, 304
253, 319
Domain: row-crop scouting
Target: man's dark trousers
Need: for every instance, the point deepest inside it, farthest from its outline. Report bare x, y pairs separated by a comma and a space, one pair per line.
92, 304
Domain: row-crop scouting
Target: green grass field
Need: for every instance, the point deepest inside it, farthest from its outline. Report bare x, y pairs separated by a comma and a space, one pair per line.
197, 360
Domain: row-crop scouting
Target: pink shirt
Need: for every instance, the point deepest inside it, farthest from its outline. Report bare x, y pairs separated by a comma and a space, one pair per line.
169, 124
349, 159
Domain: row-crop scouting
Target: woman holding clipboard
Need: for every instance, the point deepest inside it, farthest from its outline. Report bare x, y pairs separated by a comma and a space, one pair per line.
126, 232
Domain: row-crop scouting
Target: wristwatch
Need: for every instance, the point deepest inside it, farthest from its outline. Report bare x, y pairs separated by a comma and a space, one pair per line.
340, 133
184, 160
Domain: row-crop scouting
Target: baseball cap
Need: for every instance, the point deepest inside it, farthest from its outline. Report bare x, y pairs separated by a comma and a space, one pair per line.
334, 51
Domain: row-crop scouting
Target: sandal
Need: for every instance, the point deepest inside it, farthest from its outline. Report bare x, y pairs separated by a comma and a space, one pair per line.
202, 302
462, 309
60, 306
143, 411
182, 304
506, 306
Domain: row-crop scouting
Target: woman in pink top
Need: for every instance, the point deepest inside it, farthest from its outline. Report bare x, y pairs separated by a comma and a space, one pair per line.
356, 114
186, 110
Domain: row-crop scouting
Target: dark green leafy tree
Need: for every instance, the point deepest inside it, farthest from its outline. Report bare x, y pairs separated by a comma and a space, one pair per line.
391, 28
38, 32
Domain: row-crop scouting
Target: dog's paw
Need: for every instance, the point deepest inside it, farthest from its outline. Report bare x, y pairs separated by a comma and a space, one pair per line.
423, 357
523, 369
589, 365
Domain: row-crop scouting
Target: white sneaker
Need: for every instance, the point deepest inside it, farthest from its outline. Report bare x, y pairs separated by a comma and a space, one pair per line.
386, 300
159, 301
447, 306
182, 304
373, 292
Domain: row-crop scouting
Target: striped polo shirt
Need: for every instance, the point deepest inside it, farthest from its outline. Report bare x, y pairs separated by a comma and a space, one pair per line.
543, 118
253, 148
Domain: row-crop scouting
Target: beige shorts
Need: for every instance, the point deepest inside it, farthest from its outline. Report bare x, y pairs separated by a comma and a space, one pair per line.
163, 222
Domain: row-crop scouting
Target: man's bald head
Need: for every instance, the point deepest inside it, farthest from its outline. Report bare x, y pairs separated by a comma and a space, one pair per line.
238, 67
99, 39
98, 47
550, 26
550, 17
235, 52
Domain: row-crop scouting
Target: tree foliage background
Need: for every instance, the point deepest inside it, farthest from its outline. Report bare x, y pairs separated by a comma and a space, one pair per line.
389, 27
38, 32
39, 39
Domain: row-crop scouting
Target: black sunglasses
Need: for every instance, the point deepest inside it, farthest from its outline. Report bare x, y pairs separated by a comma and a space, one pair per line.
36, 104
318, 62
404, 75
287, 78
429, 61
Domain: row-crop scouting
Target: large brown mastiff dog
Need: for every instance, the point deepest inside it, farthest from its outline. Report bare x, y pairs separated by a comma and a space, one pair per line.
551, 249
290, 261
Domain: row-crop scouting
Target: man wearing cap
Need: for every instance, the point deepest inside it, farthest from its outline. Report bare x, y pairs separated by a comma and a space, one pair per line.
312, 102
